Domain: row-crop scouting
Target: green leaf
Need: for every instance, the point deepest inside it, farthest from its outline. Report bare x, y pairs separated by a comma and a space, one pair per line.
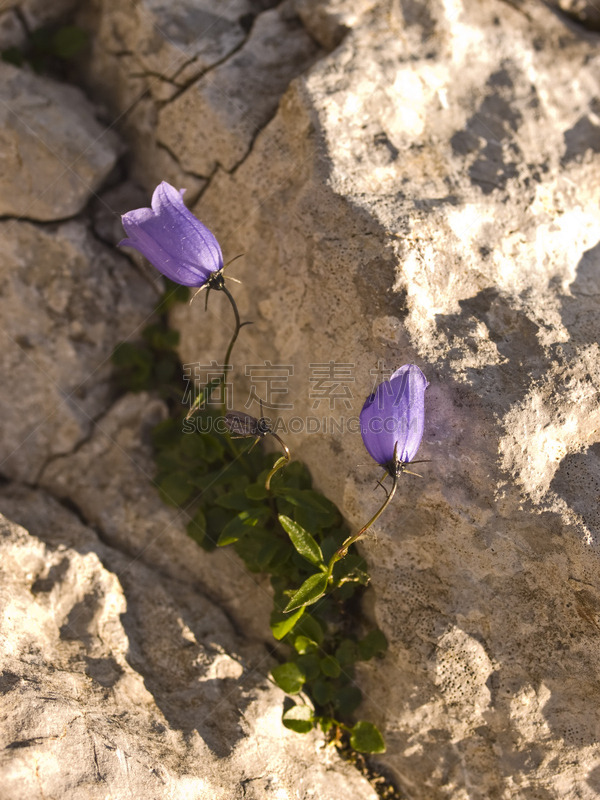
326, 724
309, 664
302, 645
69, 41
311, 590
366, 738
309, 627
322, 692
236, 500
192, 446
289, 677
347, 700
307, 498
175, 488
304, 543
166, 434
240, 526
330, 666
282, 624
299, 719
257, 491
347, 653
271, 554
196, 528
216, 519
372, 645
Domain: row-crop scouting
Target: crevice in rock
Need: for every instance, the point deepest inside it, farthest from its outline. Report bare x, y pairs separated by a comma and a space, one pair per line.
182, 87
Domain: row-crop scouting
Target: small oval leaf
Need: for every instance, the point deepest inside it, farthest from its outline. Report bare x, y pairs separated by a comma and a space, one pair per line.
330, 666
289, 677
366, 738
299, 719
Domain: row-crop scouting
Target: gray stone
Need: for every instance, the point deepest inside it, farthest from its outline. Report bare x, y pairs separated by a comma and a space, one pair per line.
109, 478
428, 193
54, 153
328, 21
120, 680
40, 12
167, 44
12, 32
217, 118
66, 301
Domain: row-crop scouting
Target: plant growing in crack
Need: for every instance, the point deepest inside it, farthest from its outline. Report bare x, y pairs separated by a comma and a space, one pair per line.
273, 518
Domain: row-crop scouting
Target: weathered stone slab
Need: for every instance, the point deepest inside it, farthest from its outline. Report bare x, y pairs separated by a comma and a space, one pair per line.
110, 479
54, 153
116, 679
66, 301
217, 118
429, 194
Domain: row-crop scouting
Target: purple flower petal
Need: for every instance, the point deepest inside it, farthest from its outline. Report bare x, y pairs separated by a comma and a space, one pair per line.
172, 238
393, 417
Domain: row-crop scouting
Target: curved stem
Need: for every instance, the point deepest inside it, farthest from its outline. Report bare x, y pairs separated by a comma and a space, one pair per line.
351, 539
281, 462
238, 326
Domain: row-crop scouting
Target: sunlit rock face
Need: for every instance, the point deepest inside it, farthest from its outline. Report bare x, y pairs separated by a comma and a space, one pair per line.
114, 675
428, 193
410, 183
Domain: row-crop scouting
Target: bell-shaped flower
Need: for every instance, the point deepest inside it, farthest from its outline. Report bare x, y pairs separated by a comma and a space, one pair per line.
173, 239
393, 417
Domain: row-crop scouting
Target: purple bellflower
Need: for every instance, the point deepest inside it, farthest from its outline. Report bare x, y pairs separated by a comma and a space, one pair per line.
393, 417
173, 239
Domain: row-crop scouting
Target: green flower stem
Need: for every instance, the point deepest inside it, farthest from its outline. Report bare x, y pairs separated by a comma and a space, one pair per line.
222, 380
339, 554
281, 462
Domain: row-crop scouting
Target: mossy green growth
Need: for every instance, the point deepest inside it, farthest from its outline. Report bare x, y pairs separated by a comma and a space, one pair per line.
289, 532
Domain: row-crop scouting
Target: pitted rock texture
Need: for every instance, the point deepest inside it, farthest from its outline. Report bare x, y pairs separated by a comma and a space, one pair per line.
109, 478
428, 193
55, 153
118, 681
66, 301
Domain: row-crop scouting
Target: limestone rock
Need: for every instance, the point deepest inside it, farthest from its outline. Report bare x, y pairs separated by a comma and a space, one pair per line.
428, 193
12, 32
109, 478
118, 679
328, 21
66, 301
54, 153
40, 12
163, 46
217, 118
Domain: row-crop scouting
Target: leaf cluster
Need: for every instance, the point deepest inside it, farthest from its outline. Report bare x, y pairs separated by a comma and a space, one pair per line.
153, 363
290, 532
47, 47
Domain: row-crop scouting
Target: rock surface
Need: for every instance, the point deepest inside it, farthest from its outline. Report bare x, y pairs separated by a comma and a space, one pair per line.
66, 301
109, 479
118, 681
216, 119
53, 151
428, 193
